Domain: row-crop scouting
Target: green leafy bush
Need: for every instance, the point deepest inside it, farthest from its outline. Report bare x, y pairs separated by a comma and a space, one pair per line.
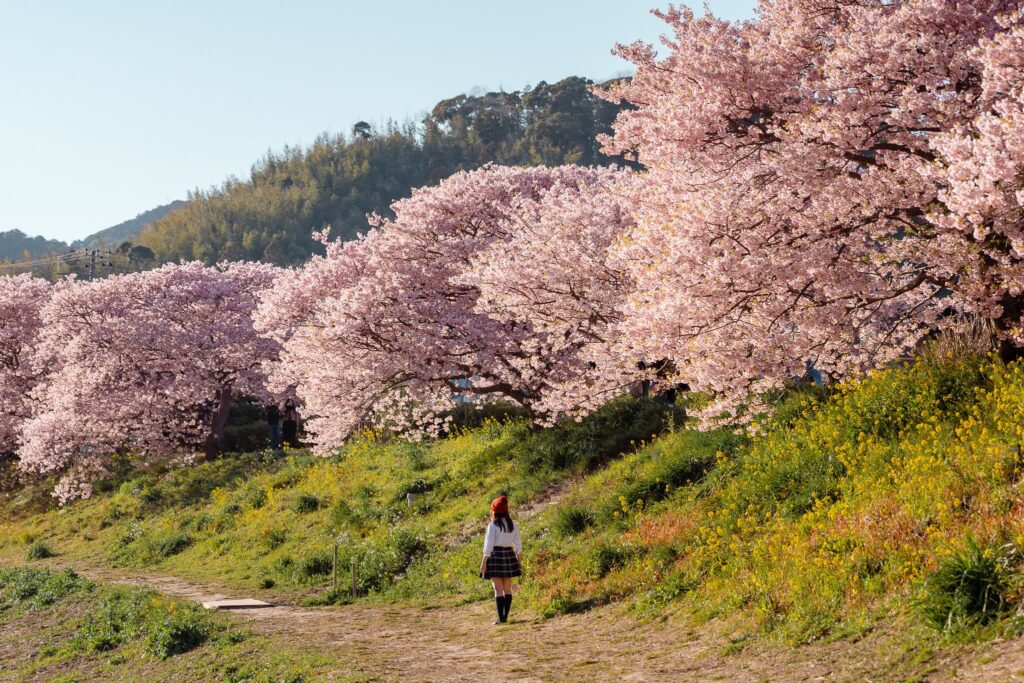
380, 560
164, 627
970, 588
316, 564
603, 558
306, 503
24, 589
571, 520
245, 438
607, 433
174, 632
274, 538
170, 544
39, 551
406, 545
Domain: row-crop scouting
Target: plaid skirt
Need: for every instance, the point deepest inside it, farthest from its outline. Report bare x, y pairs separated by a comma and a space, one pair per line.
502, 564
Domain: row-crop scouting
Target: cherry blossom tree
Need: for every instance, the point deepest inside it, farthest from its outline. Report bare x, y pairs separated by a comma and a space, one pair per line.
982, 170
146, 362
491, 284
823, 184
21, 300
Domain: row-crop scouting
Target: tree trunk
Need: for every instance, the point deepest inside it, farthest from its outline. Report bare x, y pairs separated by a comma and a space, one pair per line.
1013, 310
215, 441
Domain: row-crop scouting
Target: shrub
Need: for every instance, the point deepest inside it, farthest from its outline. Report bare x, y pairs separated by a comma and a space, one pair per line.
112, 516
379, 561
969, 588
196, 523
571, 520
284, 564
274, 538
419, 485
375, 569
165, 627
668, 589
307, 502
172, 632
317, 564
39, 551
286, 479
151, 495
32, 589
132, 533
473, 415
245, 438
603, 558
670, 473
256, 498
611, 430
342, 514
406, 546
169, 545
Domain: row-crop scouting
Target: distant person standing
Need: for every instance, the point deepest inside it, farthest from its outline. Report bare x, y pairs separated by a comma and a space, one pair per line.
503, 548
291, 424
274, 426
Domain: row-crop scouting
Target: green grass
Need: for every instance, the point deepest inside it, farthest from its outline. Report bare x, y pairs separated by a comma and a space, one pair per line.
261, 520
92, 631
971, 588
850, 505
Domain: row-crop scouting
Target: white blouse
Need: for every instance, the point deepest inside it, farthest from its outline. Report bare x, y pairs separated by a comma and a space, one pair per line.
496, 536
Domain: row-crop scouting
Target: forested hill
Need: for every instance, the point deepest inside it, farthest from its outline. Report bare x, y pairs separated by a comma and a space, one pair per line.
339, 179
129, 229
16, 245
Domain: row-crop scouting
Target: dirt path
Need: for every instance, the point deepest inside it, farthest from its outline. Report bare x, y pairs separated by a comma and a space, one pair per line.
460, 643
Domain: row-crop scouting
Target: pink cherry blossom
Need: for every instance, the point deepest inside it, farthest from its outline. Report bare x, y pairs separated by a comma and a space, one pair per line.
491, 284
146, 363
21, 300
824, 184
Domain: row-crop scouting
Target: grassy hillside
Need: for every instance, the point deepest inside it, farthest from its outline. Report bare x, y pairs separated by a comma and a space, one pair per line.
262, 519
93, 632
894, 494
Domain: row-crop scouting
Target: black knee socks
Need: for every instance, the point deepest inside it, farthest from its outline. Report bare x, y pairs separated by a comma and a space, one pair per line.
507, 605
504, 604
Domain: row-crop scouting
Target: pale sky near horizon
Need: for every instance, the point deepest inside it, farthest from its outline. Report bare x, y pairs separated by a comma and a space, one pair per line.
109, 108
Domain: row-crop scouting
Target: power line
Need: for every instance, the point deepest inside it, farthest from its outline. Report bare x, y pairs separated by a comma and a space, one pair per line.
64, 258
90, 254
95, 260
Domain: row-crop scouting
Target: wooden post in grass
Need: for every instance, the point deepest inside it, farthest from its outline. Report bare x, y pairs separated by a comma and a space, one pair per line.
334, 588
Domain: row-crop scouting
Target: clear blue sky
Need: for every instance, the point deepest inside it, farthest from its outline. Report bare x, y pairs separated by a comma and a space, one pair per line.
110, 108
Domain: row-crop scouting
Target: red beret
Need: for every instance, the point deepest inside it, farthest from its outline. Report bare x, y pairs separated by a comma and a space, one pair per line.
499, 505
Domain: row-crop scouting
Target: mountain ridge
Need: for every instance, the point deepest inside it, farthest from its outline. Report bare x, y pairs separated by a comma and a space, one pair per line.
15, 244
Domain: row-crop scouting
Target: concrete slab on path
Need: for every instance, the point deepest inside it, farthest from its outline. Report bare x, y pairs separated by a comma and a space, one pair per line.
244, 603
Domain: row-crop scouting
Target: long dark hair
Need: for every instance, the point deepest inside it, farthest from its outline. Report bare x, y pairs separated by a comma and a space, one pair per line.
504, 521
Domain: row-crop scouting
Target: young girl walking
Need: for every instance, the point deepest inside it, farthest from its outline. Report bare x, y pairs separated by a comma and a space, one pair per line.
503, 548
